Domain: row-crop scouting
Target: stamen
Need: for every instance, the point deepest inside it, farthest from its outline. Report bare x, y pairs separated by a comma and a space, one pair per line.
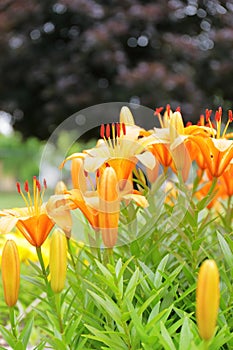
18, 187
189, 123
230, 119
178, 109
158, 110
45, 184
118, 129
107, 131
102, 131
38, 185
158, 113
168, 109
230, 116
123, 128
26, 187
85, 173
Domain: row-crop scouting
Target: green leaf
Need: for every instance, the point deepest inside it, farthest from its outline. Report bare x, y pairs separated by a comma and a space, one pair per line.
8, 337
165, 338
26, 332
185, 336
131, 287
110, 338
160, 269
228, 256
108, 305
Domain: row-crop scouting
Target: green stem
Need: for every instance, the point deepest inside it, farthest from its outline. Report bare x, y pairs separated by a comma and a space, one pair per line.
58, 310
41, 261
205, 345
12, 321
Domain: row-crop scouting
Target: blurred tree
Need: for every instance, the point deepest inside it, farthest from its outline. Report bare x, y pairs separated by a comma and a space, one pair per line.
60, 57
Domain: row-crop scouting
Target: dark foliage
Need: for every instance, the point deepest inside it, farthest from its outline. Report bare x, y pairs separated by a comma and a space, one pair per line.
60, 57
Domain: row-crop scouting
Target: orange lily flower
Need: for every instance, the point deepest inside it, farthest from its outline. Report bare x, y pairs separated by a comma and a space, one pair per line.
33, 221
217, 151
118, 147
101, 207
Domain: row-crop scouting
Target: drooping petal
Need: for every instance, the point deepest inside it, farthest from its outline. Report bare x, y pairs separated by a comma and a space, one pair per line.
147, 159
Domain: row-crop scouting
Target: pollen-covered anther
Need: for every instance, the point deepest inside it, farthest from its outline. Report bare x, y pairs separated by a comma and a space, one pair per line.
230, 116
158, 110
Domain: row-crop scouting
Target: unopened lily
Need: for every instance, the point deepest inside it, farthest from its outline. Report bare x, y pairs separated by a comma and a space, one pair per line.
207, 298
10, 272
101, 206
32, 221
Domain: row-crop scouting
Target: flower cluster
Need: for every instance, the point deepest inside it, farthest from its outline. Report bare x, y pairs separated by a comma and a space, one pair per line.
105, 175
118, 174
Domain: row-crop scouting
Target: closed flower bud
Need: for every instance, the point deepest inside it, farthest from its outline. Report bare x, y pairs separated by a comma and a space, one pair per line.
10, 272
109, 207
58, 261
207, 298
60, 188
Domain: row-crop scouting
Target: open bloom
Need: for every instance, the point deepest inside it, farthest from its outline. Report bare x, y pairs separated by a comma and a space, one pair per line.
33, 220
10, 272
217, 150
207, 297
119, 147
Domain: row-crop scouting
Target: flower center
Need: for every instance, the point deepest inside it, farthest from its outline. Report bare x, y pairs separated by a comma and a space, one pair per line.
217, 126
34, 201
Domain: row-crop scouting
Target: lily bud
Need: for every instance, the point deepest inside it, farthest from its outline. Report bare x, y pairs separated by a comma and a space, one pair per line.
58, 261
10, 272
126, 116
207, 298
109, 206
176, 126
60, 187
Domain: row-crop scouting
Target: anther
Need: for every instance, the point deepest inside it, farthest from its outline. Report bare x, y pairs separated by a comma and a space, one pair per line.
26, 187
102, 131
18, 187
123, 128
107, 132
45, 184
158, 110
